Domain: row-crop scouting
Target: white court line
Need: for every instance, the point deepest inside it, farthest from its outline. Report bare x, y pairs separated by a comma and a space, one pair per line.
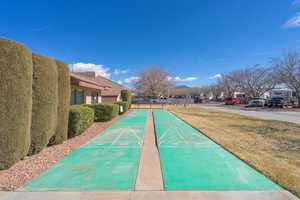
138, 138
163, 135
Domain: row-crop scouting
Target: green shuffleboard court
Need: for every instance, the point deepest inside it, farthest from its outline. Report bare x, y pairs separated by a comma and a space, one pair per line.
107, 162
191, 161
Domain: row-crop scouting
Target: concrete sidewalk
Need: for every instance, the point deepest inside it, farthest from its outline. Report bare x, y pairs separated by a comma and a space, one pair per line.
149, 174
150, 195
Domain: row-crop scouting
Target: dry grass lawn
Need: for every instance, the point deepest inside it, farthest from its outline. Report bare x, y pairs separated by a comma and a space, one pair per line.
272, 147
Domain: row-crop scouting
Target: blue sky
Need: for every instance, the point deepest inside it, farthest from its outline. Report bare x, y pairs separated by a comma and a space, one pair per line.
192, 39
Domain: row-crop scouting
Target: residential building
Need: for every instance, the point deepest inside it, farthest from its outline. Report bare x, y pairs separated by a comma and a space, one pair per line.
108, 96
85, 91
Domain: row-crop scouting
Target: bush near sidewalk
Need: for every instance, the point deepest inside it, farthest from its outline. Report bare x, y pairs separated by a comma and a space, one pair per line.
61, 133
44, 102
125, 106
126, 96
80, 118
15, 101
104, 111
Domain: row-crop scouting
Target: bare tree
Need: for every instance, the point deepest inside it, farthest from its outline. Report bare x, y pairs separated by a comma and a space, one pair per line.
206, 91
230, 82
288, 70
184, 91
216, 90
152, 81
255, 81
194, 91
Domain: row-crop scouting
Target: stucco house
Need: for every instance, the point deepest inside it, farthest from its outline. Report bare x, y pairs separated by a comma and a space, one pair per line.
113, 94
85, 91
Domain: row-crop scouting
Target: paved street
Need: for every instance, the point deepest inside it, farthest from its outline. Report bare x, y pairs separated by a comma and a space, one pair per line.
273, 114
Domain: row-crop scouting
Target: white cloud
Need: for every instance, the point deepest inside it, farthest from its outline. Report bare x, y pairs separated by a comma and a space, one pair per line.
84, 67
216, 76
120, 71
293, 22
130, 80
178, 79
190, 79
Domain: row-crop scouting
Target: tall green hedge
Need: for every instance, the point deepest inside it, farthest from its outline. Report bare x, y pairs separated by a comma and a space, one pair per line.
15, 101
126, 96
80, 118
104, 111
61, 133
45, 102
125, 106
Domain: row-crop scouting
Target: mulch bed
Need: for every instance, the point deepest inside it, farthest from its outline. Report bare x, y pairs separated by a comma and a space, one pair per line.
24, 170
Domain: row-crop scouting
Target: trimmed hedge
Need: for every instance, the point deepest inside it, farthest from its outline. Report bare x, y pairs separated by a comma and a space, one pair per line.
15, 101
61, 133
125, 106
80, 118
126, 96
45, 102
104, 111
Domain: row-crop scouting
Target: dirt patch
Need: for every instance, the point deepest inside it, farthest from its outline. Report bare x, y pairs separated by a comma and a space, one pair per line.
260, 130
26, 169
275, 133
290, 127
270, 129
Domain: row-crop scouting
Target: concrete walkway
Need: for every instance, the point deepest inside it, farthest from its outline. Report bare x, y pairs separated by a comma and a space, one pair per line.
150, 195
149, 173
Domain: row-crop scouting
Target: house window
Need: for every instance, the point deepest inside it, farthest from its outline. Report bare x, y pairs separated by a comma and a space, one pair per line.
95, 97
77, 96
72, 99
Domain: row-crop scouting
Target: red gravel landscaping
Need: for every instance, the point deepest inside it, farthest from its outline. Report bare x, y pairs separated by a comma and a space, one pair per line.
26, 169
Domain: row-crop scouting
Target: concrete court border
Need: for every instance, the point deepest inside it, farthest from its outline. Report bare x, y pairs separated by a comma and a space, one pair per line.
150, 195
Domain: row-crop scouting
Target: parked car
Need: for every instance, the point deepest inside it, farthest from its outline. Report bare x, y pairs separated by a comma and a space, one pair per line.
256, 102
154, 100
163, 100
159, 100
278, 101
287, 94
231, 101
